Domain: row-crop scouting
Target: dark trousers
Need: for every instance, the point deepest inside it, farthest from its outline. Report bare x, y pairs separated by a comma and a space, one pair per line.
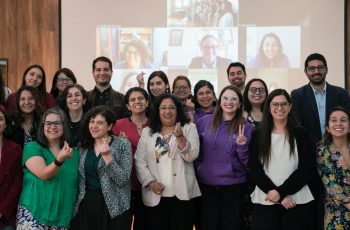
223, 207
138, 210
276, 217
93, 215
171, 214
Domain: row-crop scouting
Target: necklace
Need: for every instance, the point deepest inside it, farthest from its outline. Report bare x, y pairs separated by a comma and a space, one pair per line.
139, 125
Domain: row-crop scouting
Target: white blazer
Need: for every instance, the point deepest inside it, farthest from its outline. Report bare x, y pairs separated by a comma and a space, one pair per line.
184, 178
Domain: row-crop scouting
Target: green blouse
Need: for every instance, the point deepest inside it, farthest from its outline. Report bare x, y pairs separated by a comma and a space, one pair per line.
50, 202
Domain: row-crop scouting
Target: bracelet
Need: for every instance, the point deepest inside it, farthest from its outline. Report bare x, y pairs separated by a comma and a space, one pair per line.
58, 163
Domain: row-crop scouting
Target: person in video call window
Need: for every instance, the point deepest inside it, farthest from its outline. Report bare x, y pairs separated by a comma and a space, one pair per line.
209, 59
270, 54
135, 55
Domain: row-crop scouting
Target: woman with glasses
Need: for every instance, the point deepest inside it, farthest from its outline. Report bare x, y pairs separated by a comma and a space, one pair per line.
281, 164
164, 166
222, 162
334, 167
104, 175
182, 92
50, 184
254, 97
63, 77
10, 175
33, 76
25, 117
136, 100
74, 103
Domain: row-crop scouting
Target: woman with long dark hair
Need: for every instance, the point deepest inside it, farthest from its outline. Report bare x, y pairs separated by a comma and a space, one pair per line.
281, 163
334, 167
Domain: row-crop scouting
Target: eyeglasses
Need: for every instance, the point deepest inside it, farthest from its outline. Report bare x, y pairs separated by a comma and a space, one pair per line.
53, 123
278, 104
209, 47
257, 90
320, 68
181, 87
64, 79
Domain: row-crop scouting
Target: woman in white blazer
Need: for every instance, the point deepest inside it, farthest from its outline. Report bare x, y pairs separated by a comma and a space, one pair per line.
164, 166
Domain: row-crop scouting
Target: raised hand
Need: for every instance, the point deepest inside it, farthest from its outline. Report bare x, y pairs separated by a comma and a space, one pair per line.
178, 130
65, 153
104, 148
241, 139
123, 135
189, 105
140, 79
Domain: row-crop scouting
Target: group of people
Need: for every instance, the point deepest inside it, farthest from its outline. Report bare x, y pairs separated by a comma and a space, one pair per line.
159, 157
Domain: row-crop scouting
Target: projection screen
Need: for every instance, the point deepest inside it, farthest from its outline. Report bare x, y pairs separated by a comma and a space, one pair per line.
272, 38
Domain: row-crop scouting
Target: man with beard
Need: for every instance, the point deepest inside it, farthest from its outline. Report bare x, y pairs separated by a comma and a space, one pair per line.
237, 75
103, 94
311, 104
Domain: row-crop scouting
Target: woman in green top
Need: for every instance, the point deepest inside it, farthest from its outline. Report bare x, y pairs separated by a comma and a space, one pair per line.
50, 183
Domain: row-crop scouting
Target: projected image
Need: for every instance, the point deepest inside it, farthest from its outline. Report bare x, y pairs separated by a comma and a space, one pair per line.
273, 47
128, 48
202, 13
204, 48
123, 79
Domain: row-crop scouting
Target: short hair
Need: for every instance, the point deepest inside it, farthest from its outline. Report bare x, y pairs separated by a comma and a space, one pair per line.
103, 59
236, 64
42, 86
156, 124
247, 104
62, 102
162, 76
87, 141
69, 73
181, 77
40, 136
315, 56
39, 104
208, 36
197, 87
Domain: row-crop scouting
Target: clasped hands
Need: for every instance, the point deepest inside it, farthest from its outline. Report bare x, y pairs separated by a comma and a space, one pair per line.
273, 196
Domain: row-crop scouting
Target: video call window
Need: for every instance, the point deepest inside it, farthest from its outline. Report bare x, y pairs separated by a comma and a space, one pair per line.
202, 13
273, 47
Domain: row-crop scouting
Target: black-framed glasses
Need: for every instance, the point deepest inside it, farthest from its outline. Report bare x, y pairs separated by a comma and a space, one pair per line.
320, 68
53, 123
278, 104
64, 79
181, 87
257, 90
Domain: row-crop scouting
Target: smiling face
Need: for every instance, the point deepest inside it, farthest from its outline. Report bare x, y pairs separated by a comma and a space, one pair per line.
182, 90
270, 47
205, 97
137, 103
102, 73
53, 127
26, 102
75, 99
98, 127
133, 57
317, 76
167, 112
229, 103
255, 94
63, 81
34, 77
236, 76
280, 108
157, 86
338, 124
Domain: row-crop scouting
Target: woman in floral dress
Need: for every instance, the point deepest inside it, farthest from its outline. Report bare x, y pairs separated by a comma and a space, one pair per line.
334, 168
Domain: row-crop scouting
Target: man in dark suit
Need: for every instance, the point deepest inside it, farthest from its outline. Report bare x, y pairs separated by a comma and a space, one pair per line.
310, 106
209, 60
312, 102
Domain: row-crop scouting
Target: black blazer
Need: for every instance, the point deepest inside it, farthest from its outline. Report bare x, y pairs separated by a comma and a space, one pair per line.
304, 174
304, 106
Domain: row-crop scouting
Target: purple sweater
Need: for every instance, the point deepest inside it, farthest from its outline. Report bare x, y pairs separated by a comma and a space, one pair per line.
221, 161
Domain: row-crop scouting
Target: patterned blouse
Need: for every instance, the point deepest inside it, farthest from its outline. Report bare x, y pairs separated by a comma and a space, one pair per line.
336, 181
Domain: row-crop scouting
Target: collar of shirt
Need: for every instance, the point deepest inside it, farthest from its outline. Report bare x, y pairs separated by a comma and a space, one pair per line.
317, 92
211, 66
